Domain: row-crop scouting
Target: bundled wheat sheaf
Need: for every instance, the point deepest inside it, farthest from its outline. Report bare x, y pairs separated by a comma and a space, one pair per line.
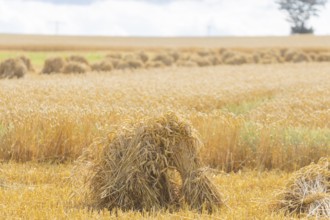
308, 192
192, 58
135, 169
27, 63
75, 67
103, 66
72, 64
78, 59
15, 67
53, 65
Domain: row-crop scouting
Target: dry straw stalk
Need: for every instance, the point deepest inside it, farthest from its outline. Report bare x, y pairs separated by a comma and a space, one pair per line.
308, 191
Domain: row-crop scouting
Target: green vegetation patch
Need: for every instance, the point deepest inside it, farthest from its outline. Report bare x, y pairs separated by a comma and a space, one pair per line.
246, 106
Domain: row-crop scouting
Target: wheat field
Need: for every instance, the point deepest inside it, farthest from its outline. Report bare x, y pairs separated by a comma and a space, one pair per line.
258, 123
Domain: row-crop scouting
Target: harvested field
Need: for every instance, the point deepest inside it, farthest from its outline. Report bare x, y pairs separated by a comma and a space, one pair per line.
161, 58
260, 114
200, 57
30, 190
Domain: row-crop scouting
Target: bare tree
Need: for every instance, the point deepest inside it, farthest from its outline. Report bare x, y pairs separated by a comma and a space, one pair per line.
299, 12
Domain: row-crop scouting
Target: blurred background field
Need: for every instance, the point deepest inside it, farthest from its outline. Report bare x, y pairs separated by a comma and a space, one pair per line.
80, 43
236, 50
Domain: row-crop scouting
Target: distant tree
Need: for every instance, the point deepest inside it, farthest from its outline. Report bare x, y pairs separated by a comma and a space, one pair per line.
299, 12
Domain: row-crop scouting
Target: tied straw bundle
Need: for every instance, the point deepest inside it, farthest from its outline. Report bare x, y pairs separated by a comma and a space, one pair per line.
135, 169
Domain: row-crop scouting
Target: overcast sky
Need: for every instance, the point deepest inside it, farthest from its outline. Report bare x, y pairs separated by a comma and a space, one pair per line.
149, 17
